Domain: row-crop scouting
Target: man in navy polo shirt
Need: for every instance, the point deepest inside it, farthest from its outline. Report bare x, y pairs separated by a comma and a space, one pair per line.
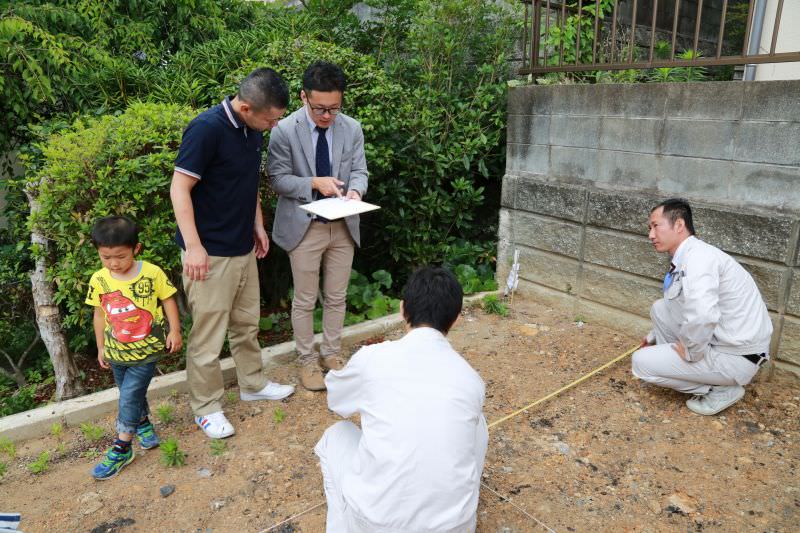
221, 231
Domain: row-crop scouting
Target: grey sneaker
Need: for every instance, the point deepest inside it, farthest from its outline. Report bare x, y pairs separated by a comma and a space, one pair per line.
718, 399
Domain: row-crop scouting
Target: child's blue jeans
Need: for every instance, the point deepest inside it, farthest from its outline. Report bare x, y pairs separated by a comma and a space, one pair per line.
132, 382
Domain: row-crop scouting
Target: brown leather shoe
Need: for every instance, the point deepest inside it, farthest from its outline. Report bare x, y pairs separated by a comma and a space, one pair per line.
333, 362
311, 377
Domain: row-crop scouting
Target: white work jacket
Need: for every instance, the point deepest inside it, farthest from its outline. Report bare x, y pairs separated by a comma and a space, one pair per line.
717, 302
419, 462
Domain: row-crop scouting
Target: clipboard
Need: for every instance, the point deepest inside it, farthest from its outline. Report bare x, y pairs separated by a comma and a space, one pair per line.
336, 208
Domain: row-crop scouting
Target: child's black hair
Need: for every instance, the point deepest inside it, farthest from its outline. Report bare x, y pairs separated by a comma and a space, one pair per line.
115, 231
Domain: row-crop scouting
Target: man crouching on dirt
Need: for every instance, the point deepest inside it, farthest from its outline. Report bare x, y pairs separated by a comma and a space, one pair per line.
711, 331
416, 462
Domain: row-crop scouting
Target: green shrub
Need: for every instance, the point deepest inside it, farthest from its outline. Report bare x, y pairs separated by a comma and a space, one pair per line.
112, 165
93, 55
368, 299
429, 90
17, 401
475, 280
171, 454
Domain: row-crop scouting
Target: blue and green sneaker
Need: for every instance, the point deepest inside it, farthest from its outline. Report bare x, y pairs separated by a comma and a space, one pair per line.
114, 462
146, 435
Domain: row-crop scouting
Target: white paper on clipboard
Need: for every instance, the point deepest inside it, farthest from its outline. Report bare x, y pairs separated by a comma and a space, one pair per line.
335, 208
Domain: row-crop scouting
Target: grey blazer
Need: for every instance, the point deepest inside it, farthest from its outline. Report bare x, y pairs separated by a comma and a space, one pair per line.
291, 168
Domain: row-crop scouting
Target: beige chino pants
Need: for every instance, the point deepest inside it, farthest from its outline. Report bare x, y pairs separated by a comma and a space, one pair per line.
227, 301
328, 247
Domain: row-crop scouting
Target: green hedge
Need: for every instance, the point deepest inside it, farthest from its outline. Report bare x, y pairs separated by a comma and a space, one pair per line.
122, 164
111, 165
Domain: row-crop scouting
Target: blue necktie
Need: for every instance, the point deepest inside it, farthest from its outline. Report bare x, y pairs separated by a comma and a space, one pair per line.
323, 161
323, 164
668, 277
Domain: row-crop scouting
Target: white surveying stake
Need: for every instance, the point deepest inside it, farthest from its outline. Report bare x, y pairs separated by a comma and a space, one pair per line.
513, 278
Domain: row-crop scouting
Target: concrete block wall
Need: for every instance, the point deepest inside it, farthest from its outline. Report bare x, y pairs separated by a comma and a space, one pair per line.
586, 163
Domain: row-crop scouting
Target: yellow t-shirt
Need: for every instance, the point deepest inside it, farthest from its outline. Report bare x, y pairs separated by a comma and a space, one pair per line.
135, 329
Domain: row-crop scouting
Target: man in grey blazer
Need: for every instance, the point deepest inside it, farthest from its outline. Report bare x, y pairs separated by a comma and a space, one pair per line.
317, 152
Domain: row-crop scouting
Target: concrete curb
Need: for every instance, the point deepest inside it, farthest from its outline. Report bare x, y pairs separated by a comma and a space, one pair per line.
37, 422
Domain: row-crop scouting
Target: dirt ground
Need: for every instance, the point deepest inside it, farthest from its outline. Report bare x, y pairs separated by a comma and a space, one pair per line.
611, 454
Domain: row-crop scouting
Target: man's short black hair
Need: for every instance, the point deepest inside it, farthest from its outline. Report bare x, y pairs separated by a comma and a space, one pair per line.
324, 77
264, 88
432, 297
675, 208
115, 231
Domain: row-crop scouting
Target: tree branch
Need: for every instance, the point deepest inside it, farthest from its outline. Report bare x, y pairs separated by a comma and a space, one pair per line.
33, 343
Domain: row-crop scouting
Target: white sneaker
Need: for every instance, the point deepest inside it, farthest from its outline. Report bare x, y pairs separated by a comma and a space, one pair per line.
718, 399
271, 391
215, 425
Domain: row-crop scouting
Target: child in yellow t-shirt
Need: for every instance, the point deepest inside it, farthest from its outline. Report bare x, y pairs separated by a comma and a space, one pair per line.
129, 328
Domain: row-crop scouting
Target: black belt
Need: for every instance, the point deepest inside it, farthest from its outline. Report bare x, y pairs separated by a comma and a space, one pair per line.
756, 358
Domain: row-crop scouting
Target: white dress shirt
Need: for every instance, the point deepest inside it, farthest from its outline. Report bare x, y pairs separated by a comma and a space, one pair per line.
419, 461
315, 136
717, 301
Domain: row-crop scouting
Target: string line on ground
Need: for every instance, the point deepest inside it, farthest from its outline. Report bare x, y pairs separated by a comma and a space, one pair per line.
565, 387
496, 422
518, 508
298, 515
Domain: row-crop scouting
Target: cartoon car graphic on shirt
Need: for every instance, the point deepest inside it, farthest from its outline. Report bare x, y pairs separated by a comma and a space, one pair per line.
128, 322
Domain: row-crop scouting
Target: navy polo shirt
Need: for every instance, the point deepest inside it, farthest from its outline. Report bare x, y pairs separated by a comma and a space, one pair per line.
224, 155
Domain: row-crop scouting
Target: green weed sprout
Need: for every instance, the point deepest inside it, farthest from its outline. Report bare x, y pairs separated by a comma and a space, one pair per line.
218, 446
493, 305
171, 454
3, 468
278, 415
91, 432
7, 447
230, 396
57, 430
165, 413
41, 464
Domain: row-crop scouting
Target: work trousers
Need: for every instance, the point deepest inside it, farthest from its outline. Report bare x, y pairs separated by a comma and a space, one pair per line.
336, 449
227, 301
330, 248
661, 365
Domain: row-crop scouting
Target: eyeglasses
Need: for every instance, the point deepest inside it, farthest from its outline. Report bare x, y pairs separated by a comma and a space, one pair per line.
320, 111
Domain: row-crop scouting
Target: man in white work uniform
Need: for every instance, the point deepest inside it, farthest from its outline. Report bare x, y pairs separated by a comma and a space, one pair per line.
416, 463
711, 331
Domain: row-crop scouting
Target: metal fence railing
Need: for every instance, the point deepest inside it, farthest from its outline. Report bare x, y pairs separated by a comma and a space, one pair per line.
581, 35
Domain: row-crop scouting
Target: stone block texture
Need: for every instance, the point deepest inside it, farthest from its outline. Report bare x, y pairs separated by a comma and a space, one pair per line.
586, 163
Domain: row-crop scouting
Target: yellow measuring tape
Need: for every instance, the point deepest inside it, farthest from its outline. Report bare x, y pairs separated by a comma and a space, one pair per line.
565, 387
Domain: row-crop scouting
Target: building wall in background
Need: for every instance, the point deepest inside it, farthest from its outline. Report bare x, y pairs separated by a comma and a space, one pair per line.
788, 41
587, 162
